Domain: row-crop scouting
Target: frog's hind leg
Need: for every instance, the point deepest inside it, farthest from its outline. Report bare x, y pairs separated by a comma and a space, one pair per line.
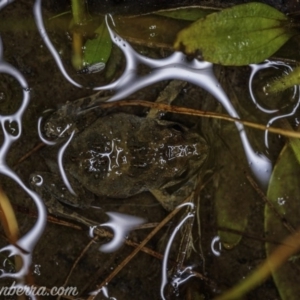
61, 210
166, 96
169, 200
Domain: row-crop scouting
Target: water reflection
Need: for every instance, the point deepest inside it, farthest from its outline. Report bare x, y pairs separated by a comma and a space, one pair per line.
176, 66
25, 245
255, 68
61, 166
3, 3
104, 291
37, 12
46, 142
216, 246
121, 225
179, 278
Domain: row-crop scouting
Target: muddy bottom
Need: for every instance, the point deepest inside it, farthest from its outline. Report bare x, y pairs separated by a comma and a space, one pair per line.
221, 183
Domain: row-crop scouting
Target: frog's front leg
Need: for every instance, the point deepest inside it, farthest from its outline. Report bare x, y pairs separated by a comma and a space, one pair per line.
60, 210
169, 200
167, 96
53, 192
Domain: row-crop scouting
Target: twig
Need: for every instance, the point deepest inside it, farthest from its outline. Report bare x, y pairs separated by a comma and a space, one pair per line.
29, 153
136, 250
280, 255
86, 248
200, 113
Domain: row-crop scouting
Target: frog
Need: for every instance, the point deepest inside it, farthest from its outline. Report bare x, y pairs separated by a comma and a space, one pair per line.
120, 155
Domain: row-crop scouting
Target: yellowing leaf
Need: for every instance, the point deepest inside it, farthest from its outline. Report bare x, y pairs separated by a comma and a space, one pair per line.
243, 34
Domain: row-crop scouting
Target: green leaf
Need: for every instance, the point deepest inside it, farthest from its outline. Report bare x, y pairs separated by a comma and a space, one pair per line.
243, 34
98, 50
284, 193
284, 82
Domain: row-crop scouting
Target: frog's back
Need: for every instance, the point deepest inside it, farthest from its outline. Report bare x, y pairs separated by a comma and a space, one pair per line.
121, 155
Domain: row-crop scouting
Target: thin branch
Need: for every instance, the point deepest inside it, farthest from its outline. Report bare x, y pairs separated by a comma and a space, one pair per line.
201, 113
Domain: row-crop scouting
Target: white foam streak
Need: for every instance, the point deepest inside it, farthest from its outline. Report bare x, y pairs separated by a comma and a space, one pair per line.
254, 70
216, 240
164, 280
60, 164
272, 64
25, 245
175, 66
104, 291
37, 12
50, 143
199, 73
121, 225
291, 113
3, 3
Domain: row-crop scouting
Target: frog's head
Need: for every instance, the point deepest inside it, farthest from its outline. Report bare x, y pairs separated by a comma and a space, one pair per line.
187, 145
69, 118
56, 126
181, 152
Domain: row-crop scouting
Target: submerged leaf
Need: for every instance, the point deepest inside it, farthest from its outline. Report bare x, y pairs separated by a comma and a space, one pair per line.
243, 34
185, 13
234, 194
98, 50
150, 30
284, 193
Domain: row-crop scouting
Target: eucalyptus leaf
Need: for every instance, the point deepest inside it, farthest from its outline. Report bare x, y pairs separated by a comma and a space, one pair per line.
232, 207
98, 50
149, 30
243, 34
284, 193
192, 13
234, 195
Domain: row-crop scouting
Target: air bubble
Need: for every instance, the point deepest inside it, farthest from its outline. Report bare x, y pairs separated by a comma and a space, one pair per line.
37, 180
2, 96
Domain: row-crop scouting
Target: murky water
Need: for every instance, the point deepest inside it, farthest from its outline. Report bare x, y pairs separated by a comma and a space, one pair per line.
39, 62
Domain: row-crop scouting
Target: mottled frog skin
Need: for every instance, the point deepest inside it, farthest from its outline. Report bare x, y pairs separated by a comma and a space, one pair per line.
120, 155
